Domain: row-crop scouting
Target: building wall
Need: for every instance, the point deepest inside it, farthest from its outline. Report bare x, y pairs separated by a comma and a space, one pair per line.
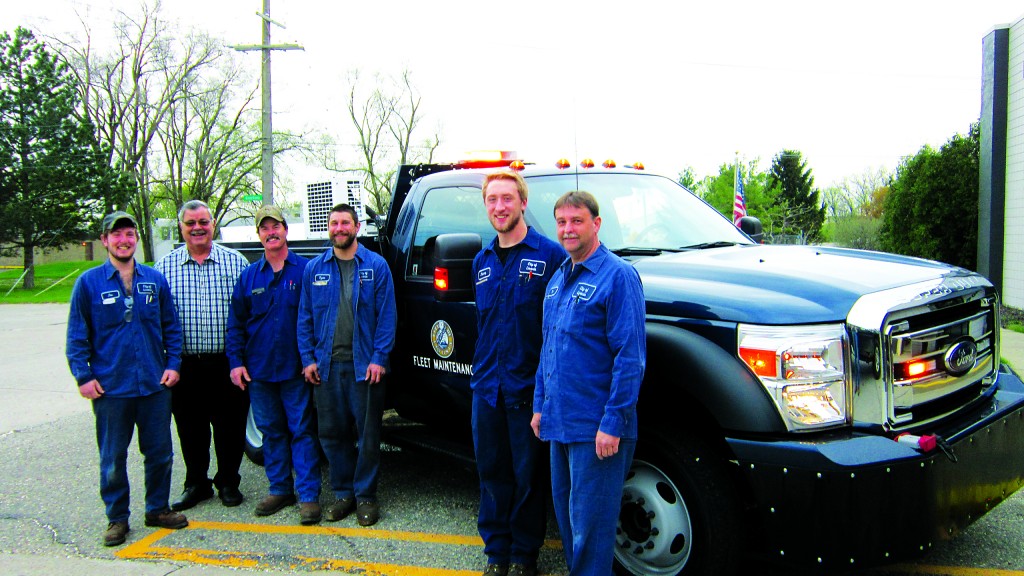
1001, 178
1013, 224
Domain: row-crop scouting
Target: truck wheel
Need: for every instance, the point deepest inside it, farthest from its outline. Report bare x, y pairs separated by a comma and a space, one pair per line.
680, 512
253, 440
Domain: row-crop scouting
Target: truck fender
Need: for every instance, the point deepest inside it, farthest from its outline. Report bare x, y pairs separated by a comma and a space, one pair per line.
680, 361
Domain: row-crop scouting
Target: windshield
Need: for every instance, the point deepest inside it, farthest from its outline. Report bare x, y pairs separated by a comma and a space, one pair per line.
637, 211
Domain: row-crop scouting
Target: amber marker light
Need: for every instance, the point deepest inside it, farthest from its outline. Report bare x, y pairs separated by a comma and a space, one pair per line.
587, 163
441, 278
517, 165
916, 368
609, 163
637, 166
762, 362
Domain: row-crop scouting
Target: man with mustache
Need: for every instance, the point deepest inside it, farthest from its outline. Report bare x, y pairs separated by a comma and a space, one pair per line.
346, 330
591, 366
264, 356
202, 276
124, 350
511, 275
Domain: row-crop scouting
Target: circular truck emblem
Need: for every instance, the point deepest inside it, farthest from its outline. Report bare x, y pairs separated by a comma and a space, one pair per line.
961, 357
442, 339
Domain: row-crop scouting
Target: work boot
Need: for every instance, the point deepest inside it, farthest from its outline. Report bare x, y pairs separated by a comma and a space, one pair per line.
340, 508
273, 503
515, 569
309, 513
367, 513
496, 570
166, 519
116, 534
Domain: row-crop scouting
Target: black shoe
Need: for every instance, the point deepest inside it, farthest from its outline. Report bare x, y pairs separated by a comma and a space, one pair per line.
230, 496
191, 496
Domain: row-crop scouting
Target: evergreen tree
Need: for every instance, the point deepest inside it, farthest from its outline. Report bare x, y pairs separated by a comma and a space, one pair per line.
931, 210
52, 176
797, 206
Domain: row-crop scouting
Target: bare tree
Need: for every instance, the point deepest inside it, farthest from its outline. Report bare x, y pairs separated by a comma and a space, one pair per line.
385, 122
854, 195
210, 151
129, 94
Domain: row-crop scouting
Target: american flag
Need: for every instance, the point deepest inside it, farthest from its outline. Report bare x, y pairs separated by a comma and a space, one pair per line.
739, 202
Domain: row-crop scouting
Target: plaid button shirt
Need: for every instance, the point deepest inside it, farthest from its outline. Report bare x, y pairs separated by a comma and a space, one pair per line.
202, 294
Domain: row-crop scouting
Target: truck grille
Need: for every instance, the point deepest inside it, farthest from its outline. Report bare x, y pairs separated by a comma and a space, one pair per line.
938, 362
923, 352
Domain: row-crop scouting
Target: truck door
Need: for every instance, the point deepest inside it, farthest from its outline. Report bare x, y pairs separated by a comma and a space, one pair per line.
438, 339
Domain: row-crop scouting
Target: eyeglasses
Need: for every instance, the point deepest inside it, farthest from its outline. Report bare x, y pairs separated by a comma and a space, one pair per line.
193, 223
128, 303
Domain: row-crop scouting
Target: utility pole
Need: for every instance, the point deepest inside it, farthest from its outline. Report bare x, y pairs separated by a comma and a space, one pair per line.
267, 123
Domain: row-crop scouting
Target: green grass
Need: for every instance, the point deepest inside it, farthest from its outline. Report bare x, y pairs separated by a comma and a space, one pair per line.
51, 284
1015, 326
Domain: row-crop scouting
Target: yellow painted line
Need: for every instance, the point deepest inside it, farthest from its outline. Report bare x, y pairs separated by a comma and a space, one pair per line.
950, 570
147, 549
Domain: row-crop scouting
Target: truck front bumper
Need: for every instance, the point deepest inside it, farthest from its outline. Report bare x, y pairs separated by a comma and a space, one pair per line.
860, 499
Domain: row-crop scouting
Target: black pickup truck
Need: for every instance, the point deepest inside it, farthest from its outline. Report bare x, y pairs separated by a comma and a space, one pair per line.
808, 406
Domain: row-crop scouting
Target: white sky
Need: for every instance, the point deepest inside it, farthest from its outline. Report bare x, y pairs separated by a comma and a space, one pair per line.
854, 86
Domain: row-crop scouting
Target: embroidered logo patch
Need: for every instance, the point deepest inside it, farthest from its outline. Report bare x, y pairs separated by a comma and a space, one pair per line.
321, 279
483, 275
584, 291
535, 267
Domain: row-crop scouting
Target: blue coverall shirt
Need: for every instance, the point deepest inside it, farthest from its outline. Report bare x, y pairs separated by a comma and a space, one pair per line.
594, 351
373, 307
509, 310
127, 352
266, 303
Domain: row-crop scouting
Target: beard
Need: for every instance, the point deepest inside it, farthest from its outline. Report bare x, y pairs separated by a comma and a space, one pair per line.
510, 223
342, 241
121, 259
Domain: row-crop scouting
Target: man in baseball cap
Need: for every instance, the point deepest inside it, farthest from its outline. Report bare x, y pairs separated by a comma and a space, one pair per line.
124, 350
263, 353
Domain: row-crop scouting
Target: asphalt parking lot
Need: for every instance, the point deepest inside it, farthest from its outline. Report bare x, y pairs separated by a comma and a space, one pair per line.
51, 516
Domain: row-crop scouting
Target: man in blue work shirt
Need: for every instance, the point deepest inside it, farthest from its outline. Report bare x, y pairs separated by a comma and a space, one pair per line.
263, 353
346, 330
591, 366
124, 350
511, 274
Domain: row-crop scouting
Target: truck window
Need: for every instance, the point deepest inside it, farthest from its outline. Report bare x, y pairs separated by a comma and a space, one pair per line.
446, 210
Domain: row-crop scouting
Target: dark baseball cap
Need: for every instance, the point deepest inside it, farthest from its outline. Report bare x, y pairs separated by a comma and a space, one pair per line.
111, 221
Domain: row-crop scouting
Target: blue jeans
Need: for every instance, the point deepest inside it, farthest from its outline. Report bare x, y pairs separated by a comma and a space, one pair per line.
284, 414
514, 482
349, 414
116, 419
587, 494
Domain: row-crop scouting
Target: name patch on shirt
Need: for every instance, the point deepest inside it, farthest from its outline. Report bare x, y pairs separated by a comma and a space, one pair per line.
366, 274
321, 279
256, 291
483, 275
110, 296
146, 288
534, 267
583, 291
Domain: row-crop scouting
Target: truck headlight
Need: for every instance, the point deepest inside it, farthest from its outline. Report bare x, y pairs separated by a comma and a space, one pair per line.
803, 370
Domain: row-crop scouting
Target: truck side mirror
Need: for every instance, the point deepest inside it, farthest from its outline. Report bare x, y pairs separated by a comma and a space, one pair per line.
752, 227
453, 266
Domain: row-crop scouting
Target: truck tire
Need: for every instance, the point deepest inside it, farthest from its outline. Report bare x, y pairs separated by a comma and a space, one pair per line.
681, 513
253, 440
